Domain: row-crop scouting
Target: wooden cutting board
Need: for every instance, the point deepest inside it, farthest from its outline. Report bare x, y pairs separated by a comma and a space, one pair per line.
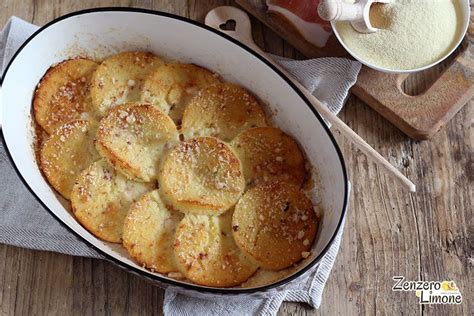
419, 116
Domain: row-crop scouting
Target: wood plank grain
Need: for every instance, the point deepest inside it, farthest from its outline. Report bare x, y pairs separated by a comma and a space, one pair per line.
32, 281
424, 236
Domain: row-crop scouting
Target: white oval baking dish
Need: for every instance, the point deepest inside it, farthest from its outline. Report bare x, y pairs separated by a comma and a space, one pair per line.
101, 32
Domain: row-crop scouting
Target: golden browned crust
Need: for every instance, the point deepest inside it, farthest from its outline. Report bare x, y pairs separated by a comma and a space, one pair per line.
101, 198
267, 153
149, 233
68, 151
63, 93
222, 110
134, 137
201, 176
119, 79
206, 252
275, 224
172, 86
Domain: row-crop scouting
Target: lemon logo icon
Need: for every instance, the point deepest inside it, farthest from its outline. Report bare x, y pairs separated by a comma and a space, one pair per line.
448, 286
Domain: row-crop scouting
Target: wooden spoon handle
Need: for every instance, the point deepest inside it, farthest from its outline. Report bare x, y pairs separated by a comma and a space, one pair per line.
242, 33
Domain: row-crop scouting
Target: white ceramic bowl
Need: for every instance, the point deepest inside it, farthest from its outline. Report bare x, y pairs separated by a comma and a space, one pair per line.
466, 12
101, 32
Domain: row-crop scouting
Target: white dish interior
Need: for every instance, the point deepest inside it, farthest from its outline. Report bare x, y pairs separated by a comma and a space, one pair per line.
104, 32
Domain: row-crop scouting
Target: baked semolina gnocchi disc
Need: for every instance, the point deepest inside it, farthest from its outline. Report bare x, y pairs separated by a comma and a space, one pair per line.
134, 137
63, 93
206, 252
267, 153
172, 86
68, 151
149, 233
222, 110
275, 224
101, 198
201, 176
119, 79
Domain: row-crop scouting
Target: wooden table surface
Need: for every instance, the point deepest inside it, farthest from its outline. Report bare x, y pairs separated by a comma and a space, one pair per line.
427, 235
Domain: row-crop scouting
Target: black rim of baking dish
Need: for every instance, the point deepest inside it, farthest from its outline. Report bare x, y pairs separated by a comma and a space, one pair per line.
147, 274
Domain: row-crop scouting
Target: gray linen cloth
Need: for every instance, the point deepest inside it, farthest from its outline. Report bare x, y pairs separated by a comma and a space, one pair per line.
24, 222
